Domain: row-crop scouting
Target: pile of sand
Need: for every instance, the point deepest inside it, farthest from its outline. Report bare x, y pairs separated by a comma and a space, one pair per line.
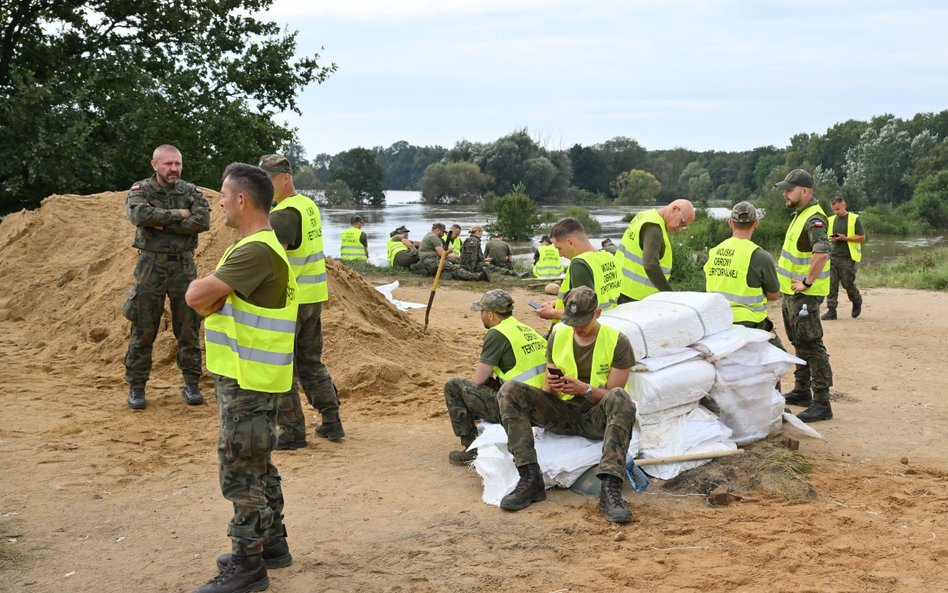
68, 265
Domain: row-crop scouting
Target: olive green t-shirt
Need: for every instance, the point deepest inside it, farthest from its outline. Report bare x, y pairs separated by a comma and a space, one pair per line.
653, 250
498, 251
429, 245
257, 274
288, 226
623, 357
762, 272
497, 351
840, 227
580, 274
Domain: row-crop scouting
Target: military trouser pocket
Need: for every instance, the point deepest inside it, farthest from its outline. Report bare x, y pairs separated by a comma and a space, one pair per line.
130, 308
809, 327
248, 436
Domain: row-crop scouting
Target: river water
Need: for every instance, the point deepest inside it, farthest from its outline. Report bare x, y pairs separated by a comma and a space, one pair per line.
405, 208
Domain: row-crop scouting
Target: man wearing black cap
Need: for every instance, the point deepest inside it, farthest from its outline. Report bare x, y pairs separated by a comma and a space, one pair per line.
512, 351
803, 268
401, 251
298, 226
429, 254
743, 272
588, 366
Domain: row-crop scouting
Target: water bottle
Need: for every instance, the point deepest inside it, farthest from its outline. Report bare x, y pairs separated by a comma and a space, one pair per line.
803, 311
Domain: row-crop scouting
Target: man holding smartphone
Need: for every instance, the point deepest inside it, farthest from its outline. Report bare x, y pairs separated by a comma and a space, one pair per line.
584, 394
847, 237
512, 351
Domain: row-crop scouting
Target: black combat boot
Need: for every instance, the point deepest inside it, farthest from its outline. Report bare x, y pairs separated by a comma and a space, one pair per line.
136, 398
857, 309
192, 394
830, 315
611, 502
241, 574
276, 553
799, 397
529, 489
330, 430
816, 411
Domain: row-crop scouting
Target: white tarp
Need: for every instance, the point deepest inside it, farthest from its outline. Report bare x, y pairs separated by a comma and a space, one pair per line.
671, 386
716, 346
388, 289
698, 431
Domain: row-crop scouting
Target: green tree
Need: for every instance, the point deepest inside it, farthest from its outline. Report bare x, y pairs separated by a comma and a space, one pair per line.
89, 88
698, 181
337, 195
636, 187
357, 167
516, 215
929, 203
592, 226
458, 182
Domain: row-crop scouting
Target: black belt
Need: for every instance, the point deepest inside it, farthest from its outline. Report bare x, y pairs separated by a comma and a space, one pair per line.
168, 256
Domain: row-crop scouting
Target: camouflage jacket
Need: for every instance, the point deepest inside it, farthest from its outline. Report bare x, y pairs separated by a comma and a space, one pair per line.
149, 206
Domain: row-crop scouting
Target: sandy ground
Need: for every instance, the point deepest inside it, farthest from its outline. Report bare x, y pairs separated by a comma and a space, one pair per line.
95, 497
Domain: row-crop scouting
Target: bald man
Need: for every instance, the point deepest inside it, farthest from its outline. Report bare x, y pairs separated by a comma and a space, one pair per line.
645, 253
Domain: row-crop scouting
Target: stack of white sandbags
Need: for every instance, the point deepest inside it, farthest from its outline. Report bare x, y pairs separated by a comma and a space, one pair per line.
669, 381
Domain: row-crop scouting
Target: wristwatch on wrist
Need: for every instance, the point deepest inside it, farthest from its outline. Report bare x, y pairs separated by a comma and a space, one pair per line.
589, 392
805, 283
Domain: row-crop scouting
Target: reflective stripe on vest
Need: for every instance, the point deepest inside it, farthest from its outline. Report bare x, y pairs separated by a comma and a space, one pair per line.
635, 282
795, 265
603, 353
605, 270
726, 273
855, 248
549, 264
307, 260
529, 350
251, 344
352, 247
394, 248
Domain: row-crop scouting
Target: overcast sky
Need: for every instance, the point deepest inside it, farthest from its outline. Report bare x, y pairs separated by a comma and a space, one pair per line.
700, 74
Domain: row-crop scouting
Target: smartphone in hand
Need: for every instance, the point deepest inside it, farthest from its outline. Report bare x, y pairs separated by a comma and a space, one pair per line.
554, 371
534, 304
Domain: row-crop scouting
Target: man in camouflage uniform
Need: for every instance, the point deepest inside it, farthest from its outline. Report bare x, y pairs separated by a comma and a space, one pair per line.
472, 257
585, 397
289, 225
844, 258
252, 363
429, 258
803, 268
168, 214
511, 349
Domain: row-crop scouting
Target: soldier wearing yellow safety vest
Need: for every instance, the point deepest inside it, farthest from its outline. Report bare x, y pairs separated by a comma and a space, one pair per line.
453, 241
847, 236
596, 269
512, 351
400, 251
803, 268
583, 394
547, 261
743, 272
645, 252
251, 309
296, 221
355, 245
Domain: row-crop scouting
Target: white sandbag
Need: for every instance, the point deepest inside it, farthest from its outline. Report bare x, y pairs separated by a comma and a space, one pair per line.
699, 431
752, 411
721, 344
671, 386
669, 320
665, 359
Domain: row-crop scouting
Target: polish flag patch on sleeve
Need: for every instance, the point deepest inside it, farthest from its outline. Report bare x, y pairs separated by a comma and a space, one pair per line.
818, 223
136, 186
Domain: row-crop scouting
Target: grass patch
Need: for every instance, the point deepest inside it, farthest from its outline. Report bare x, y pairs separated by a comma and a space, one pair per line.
924, 269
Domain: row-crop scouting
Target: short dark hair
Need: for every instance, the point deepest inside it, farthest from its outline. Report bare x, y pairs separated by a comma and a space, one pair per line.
567, 226
606, 242
837, 199
456, 226
253, 182
355, 219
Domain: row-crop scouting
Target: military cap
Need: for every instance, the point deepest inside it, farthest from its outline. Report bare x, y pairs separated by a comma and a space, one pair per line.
496, 300
275, 163
743, 212
579, 306
796, 178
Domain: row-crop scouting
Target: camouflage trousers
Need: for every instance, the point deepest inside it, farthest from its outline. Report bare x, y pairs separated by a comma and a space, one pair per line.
843, 271
405, 259
467, 402
610, 419
155, 276
310, 373
247, 475
806, 335
429, 267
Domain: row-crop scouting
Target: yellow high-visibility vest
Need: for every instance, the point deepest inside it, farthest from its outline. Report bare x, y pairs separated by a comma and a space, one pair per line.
635, 282
549, 264
394, 248
308, 261
855, 249
251, 344
352, 247
726, 273
603, 353
606, 276
529, 349
794, 264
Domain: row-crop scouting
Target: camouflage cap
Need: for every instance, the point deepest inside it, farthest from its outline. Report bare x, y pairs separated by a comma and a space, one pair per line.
496, 300
438, 225
743, 212
275, 163
402, 229
796, 178
579, 306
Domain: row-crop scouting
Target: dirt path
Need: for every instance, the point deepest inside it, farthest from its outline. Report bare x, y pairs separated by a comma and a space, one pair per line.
95, 497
